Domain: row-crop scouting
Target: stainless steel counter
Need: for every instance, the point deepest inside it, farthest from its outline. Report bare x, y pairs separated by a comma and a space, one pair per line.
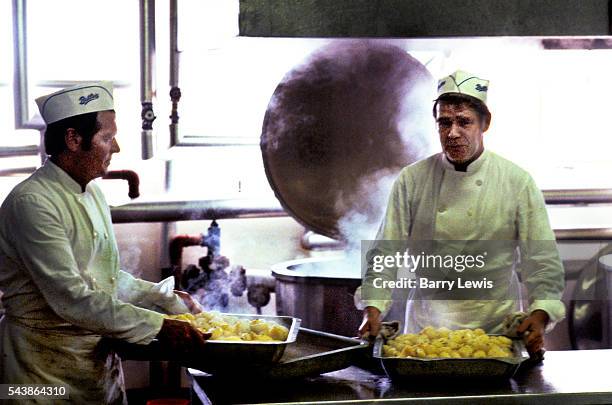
565, 377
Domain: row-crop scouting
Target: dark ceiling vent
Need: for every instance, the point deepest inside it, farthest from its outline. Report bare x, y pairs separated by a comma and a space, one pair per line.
418, 18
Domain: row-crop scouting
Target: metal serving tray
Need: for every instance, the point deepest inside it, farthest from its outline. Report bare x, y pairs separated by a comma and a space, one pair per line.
218, 356
415, 367
313, 353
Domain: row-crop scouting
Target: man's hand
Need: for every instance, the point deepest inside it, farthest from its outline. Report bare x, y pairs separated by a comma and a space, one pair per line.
181, 337
193, 304
370, 326
535, 324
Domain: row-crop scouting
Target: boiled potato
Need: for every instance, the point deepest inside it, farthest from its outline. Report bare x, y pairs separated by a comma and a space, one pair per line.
260, 326
496, 351
231, 328
445, 343
278, 332
466, 351
408, 351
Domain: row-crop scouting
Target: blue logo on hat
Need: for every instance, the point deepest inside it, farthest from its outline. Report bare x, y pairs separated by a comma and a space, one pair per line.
92, 96
482, 88
442, 83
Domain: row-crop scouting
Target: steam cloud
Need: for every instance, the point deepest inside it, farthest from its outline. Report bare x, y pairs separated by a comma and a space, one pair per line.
338, 130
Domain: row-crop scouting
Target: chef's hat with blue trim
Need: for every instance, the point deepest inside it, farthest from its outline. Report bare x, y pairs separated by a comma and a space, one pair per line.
464, 83
76, 100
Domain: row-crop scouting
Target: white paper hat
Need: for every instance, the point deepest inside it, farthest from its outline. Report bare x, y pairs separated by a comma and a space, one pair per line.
464, 83
76, 100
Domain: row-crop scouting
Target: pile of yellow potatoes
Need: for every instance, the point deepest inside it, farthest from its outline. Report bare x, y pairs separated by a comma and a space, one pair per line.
444, 343
232, 328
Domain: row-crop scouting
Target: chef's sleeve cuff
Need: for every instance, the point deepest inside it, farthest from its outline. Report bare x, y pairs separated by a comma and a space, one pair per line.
146, 328
382, 305
554, 308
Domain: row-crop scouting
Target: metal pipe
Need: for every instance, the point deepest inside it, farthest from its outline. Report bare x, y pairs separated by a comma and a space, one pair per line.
211, 140
578, 196
147, 68
261, 277
168, 228
26, 150
130, 176
594, 234
20, 70
314, 241
260, 284
174, 52
171, 211
17, 170
175, 91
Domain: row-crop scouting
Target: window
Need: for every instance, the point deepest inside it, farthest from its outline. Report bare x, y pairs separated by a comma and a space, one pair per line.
546, 117
9, 137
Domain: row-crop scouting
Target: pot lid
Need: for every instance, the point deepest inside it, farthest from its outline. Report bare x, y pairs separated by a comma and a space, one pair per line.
339, 128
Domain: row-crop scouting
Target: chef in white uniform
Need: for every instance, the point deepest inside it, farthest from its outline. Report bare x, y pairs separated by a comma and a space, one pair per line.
467, 193
59, 265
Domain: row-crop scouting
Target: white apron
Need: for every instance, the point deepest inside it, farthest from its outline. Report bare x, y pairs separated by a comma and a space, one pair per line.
494, 200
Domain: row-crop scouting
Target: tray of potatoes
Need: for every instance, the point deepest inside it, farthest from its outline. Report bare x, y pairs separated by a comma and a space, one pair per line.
237, 341
240, 340
450, 353
239, 328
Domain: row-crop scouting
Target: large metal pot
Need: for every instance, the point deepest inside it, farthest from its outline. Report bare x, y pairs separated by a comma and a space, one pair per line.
337, 131
320, 293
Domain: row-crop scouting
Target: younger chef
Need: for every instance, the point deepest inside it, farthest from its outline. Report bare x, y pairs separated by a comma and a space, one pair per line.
467, 193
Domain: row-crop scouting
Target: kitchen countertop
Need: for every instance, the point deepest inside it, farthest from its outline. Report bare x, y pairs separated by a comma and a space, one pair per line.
568, 377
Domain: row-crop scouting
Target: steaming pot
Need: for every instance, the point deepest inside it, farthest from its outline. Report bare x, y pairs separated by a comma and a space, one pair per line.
320, 292
337, 131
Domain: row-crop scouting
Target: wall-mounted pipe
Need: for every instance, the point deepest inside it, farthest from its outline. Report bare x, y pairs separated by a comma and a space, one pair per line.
175, 250
147, 68
578, 196
17, 170
313, 241
13, 151
172, 211
20, 69
595, 234
211, 140
130, 176
175, 91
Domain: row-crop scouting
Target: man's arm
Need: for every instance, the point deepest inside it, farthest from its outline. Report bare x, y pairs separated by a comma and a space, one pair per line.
44, 248
541, 267
376, 302
146, 294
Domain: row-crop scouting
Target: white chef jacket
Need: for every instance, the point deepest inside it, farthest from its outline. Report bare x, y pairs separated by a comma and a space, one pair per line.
494, 200
59, 274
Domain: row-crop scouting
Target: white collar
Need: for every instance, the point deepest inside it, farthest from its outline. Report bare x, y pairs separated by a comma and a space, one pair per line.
62, 177
472, 167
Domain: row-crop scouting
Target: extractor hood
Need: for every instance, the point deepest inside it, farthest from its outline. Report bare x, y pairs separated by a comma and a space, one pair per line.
423, 18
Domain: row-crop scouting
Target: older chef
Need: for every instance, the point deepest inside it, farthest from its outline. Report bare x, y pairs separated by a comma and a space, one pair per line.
59, 264
467, 193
